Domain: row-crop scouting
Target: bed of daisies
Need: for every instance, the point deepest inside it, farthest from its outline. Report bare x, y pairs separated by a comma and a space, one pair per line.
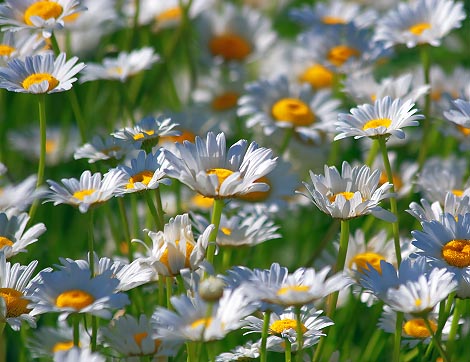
250, 180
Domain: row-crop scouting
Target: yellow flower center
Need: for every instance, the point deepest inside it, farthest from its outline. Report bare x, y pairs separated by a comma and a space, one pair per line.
170, 14
44, 9
257, 196
201, 321
38, 78
417, 328
378, 122
71, 18
202, 201
464, 130
417, 29
226, 231
294, 111
332, 20
457, 253
363, 260
4, 241
221, 173
339, 54
139, 337
397, 182
14, 302
458, 193
292, 288
282, 325
347, 195
230, 47
142, 134
225, 101
6, 50
51, 146
317, 76
82, 193
143, 177
75, 298
62, 346
185, 135
187, 255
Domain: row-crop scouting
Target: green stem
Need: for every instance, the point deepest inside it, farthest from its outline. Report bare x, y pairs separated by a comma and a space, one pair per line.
454, 325
426, 63
215, 220
153, 210
76, 329
126, 229
226, 257
441, 350
393, 201
169, 292
191, 350
374, 149
77, 111
300, 335
94, 332
288, 350
397, 337
160, 212
288, 133
91, 242
264, 336
161, 290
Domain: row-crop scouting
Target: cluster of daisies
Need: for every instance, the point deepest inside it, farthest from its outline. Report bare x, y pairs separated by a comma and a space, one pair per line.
205, 134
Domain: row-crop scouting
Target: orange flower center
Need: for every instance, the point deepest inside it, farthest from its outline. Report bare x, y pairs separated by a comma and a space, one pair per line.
282, 325
225, 101
332, 20
142, 134
171, 14
397, 182
363, 260
257, 196
378, 122
457, 253
44, 9
187, 255
82, 193
4, 241
202, 201
292, 288
62, 346
230, 47
347, 195
294, 111
417, 328
38, 78
14, 302
75, 298
417, 29
144, 177
201, 322
185, 135
221, 173
317, 76
339, 54
6, 50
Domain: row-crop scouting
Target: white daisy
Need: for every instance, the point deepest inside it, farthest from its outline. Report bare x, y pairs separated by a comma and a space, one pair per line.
249, 350
13, 237
44, 15
90, 190
19, 45
213, 171
351, 194
42, 73
453, 205
419, 22
103, 148
76, 354
18, 197
461, 115
122, 67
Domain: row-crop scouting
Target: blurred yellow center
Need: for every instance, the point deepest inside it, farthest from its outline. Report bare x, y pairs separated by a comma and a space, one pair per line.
418, 29
139, 337
378, 122
464, 130
292, 288
417, 328
332, 20
170, 14
457, 253
187, 255
184, 136
225, 101
283, 325
257, 196
294, 111
38, 78
397, 182
201, 322
75, 298
202, 201
338, 55
347, 195
14, 302
51, 146
221, 173
458, 193
44, 9
230, 47
4, 241
62, 346
6, 50
142, 134
363, 260
317, 76
71, 18
144, 177
226, 231
82, 193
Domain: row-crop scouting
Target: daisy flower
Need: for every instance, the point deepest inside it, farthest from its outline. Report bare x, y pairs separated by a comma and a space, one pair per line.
461, 114
19, 45
174, 248
90, 190
249, 350
18, 197
14, 238
76, 354
274, 104
40, 73
353, 193
103, 148
14, 281
419, 22
122, 67
73, 290
386, 117
213, 171
44, 15
453, 205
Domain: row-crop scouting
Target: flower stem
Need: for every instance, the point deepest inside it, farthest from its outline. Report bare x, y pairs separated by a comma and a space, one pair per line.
393, 200
169, 291
300, 335
215, 220
288, 350
264, 336
91, 242
426, 63
454, 325
125, 225
153, 211
285, 142
160, 212
76, 329
441, 350
397, 337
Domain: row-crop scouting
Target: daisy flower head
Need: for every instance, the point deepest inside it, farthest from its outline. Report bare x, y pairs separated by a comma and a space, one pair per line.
73, 290
76, 354
100, 148
38, 15
90, 190
453, 205
41, 73
249, 351
122, 67
18, 197
275, 103
353, 193
174, 248
419, 22
207, 167
19, 45
460, 115
14, 238
385, 118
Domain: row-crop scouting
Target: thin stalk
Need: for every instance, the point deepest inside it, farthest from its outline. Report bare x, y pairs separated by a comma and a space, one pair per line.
287, 350
300, 334
169, 292
91, 242
264, 336
77, 112
374, 149
288, 133
161, 290
441, 350
76, 329
191, 350
126, 229
393, 201
397, 337
153, 210
215, 220
426, 64
226, 257
94, 332
158, 202
454, 325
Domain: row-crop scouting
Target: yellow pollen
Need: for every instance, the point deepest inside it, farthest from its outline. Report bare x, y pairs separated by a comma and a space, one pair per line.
201, 321
317, 76
417, 328
458, 193
339, 54
257, 196
397, 182
230, 47
14, 302
418, 302
4, 241
332, 20
142, 134
144, 177
71, 18
347, 195
139, 337
418, 29
202, 201
6, 50
51, 146
378, 122
225, 101
464, 130
81, 194
44, 9
38, 78
293, 288
457, 253
363, 260
184, 136
75, 298
294, 111
221, 173
62, 346
283, 325
187, 255
436, 95
171, 14
226, 231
